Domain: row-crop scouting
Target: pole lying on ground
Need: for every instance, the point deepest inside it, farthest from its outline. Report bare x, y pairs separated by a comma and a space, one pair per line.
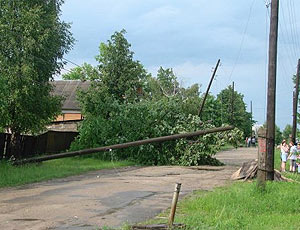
124, 145
174, 204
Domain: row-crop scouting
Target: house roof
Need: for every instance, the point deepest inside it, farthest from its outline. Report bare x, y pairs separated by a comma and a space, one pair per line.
68, 89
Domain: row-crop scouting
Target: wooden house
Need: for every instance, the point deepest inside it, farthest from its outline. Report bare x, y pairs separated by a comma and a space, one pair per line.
68, 89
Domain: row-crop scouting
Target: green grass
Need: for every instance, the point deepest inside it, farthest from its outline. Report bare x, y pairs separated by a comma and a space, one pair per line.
242, 206
12, 175
226, 147
293, 176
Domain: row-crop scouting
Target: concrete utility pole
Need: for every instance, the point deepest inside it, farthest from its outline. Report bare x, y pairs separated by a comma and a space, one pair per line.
208, 88
271, 98
295, 104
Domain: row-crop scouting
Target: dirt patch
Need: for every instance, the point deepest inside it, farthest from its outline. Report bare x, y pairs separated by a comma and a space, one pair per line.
110, 197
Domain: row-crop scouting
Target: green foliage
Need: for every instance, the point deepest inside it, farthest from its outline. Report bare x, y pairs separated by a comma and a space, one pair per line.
239, 117
148, 119
13, 176
83, 73
287, 131
126, 104
278, 134
123, 77
32, 41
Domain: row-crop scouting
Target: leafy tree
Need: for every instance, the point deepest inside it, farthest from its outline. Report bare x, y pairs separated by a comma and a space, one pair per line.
239, 117
124, 104
123, 77
83, 73
166, 85
148, 119
167, 82
212, 111
278, 135
287, 131
32, 41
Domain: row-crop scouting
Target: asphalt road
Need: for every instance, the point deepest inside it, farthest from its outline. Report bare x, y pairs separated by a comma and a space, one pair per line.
109, 197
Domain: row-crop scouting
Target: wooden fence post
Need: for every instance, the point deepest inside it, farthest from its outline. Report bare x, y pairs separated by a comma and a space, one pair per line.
174, 204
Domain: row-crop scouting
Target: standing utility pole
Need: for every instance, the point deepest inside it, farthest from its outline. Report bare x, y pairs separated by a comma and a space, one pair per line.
207, 90
271, 98
295, 104
232, 104
251, 117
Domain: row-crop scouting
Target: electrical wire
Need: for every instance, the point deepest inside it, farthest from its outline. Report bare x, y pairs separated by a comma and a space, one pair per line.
243, 39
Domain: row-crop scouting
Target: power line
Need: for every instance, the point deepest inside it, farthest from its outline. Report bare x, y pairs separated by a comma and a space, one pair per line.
71, 62
243, 39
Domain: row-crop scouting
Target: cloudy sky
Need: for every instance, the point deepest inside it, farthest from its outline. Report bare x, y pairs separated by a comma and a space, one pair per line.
190, 36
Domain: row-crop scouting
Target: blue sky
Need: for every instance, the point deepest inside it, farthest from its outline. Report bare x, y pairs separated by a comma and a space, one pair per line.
190, 36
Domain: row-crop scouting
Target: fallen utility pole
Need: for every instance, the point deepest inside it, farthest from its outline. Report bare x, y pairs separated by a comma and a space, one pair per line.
124, 145
208, 88
271, 98
295, 104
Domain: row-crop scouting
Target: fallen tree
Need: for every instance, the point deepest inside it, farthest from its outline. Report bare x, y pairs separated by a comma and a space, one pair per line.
123, 145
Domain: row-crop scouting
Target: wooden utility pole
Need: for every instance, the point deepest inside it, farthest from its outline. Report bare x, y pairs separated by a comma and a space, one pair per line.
123, 145
232, 104
271, 98
208, 88
295, 104
251, 112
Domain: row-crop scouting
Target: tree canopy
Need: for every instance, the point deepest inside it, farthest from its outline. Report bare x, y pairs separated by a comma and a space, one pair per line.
33, 41
233, 110
125, 103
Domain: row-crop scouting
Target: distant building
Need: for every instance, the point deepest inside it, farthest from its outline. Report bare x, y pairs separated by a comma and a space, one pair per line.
70, 110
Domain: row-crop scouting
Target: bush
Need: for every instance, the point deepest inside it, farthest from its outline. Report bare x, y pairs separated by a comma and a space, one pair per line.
149, 119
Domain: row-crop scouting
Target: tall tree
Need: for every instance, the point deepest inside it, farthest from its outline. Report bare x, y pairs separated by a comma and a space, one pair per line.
287, 132
239, 117
119, 73
83, 73
32, 42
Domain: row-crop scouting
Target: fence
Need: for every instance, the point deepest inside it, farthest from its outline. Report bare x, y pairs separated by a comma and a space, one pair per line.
49, 142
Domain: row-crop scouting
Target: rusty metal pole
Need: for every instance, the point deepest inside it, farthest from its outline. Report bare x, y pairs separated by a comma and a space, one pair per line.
271, 99
174, 204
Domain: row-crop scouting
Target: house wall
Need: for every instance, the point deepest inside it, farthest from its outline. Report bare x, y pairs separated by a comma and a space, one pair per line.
69, 117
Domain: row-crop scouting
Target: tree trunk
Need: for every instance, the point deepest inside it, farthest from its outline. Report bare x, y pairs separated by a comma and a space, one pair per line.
16, 145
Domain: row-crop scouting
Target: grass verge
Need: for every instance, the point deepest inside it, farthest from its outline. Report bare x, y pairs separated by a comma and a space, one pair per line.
13, 176
293, 176
241, 206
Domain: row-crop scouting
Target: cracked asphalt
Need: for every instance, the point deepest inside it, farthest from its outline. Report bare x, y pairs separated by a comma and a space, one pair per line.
110, 197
